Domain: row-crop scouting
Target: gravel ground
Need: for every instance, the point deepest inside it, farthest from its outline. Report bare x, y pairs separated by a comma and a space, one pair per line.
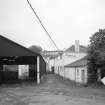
53, 90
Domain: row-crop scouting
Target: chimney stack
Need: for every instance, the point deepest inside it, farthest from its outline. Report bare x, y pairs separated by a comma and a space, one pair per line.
77, 48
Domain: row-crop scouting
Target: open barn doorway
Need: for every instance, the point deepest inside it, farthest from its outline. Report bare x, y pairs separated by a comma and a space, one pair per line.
18, 69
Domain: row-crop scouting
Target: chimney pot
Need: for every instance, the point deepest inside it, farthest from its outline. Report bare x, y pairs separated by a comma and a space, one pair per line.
77, 48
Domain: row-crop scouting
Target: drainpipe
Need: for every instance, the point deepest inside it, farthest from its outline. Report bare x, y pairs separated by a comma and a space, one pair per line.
38, 69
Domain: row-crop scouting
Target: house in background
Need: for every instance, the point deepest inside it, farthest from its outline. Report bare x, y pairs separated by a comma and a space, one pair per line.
61, 64
72, 54
12, 58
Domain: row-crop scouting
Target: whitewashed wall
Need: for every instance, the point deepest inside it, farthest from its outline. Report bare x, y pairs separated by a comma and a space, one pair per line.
70, 73
56, 70
75, 74
62, 72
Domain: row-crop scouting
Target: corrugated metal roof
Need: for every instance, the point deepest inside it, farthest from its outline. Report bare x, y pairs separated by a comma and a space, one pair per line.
78, 63
11, 48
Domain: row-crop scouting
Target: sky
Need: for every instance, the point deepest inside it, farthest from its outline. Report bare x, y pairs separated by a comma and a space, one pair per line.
65, 20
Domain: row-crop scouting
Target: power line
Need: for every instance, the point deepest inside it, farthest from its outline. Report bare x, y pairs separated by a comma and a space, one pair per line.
42, 25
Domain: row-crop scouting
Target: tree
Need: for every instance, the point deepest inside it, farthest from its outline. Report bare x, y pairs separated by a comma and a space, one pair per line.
35, 48
96, 52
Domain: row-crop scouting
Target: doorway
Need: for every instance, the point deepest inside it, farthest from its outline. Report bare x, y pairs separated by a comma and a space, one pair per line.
83, 76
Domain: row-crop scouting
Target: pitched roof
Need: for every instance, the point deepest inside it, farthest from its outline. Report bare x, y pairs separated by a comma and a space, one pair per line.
11, 48
72, 49
78, 63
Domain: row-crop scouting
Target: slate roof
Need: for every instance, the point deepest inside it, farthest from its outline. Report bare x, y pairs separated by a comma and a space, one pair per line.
72, 49
78, 63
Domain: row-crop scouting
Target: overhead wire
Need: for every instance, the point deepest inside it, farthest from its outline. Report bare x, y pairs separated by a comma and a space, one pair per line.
47, 33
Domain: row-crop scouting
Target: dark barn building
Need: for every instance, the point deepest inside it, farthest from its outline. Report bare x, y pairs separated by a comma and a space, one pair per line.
12, 55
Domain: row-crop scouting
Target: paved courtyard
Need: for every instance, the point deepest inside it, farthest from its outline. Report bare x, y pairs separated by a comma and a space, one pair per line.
52, 91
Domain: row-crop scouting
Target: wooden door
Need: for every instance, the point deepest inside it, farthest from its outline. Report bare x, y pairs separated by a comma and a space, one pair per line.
83, 76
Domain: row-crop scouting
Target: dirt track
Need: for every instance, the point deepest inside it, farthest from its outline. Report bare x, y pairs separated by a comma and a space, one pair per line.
52, 91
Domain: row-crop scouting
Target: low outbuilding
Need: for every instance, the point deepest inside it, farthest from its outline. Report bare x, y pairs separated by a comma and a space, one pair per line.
77, 71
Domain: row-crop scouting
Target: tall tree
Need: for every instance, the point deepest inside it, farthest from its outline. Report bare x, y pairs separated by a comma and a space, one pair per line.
96, 53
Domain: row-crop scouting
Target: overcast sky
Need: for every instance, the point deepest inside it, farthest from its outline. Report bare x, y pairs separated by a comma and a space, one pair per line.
65, 20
